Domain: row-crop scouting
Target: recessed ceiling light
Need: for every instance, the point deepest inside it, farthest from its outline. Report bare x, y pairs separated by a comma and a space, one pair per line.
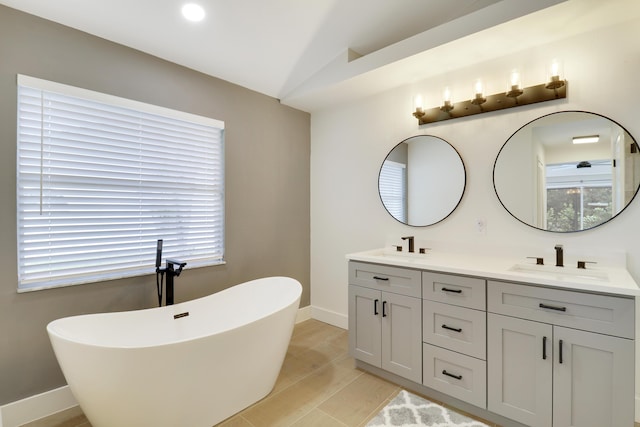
193, 12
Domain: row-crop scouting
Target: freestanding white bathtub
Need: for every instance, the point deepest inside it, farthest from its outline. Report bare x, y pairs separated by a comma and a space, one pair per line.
191, 364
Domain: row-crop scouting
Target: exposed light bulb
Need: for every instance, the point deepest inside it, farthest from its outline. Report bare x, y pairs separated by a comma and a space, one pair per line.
418, 104
478, 93
555, 82
478, 88
555, 69
446, 98
513, 89
515, 79
446, 95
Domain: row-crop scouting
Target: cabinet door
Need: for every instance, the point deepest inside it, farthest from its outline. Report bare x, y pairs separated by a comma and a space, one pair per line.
365, 314
519, 369
402, 336
593, 383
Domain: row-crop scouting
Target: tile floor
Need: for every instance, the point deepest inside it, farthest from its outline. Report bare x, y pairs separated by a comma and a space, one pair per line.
318, 386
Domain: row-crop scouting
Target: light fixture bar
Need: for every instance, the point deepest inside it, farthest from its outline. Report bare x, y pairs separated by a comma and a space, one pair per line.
590, 139
500, 101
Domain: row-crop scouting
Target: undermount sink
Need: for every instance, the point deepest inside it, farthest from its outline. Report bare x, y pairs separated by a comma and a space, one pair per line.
561, 273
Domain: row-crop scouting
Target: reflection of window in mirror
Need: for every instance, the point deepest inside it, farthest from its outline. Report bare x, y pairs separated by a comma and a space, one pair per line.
579, 195
393, 188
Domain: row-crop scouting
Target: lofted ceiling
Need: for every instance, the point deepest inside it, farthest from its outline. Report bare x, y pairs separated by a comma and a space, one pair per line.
313, 54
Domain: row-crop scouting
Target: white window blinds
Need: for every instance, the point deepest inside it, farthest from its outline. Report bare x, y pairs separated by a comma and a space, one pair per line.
393, 189
101, 178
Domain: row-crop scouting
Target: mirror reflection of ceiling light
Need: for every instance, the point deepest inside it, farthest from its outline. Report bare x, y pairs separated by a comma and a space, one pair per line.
193, 12
590, 139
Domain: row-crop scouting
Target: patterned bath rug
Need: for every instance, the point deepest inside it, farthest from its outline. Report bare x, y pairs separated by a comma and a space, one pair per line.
409, 410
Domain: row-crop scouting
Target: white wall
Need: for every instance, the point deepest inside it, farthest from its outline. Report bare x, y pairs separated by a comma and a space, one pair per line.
435, 179
349, 143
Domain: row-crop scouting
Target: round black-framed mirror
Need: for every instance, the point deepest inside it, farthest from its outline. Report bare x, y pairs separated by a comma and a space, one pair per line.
567, 171
422, 180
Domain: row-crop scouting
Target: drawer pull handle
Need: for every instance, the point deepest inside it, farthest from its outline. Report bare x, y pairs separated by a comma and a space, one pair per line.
551, 307
544, 348
375, 307
455, 291
384, 309
386, 279
452, 329
560, 351
458, 377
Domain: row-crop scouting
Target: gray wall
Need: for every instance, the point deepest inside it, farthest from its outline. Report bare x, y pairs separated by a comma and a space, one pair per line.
267, 186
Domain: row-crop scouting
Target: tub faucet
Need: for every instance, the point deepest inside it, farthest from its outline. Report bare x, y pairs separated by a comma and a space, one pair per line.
559, 256
173, 270
411, 245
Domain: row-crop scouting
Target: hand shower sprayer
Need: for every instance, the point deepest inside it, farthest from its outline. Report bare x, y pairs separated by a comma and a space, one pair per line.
159, 271
159, 254
173, 269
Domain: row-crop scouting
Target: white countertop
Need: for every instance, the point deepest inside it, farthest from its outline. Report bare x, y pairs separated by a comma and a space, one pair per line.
609, 280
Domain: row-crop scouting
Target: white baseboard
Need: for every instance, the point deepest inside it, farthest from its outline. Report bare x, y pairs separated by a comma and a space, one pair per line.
304, 313
33, 408
637, 409
331, 317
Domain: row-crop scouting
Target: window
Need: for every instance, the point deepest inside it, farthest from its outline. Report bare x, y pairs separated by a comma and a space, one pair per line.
100, 179
393, 189
579, 197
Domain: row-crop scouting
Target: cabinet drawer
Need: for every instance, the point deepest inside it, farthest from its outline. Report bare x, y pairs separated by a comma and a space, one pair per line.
398, 280
456, 328
455, 374
459, 290
596, 313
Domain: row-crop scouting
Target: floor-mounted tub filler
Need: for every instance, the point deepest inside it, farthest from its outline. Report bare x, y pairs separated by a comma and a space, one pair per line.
190, 364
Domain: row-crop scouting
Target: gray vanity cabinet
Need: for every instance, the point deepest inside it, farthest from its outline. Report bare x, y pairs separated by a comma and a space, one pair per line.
518, 353
543, 373
454, 334
385, 322
520, 375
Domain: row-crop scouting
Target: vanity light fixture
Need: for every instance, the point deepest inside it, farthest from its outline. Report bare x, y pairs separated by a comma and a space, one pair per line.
591, 139
514, 96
